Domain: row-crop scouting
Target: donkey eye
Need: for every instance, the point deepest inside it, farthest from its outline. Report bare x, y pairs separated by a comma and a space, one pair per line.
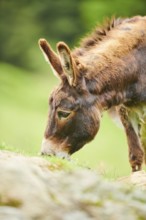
63, 114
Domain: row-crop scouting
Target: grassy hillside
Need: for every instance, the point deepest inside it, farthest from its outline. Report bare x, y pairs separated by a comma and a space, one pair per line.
23, 117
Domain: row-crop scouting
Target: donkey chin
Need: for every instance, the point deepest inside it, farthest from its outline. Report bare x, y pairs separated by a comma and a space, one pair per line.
49, 148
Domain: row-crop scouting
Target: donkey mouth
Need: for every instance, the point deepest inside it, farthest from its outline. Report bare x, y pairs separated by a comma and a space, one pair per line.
61, 155
49, 149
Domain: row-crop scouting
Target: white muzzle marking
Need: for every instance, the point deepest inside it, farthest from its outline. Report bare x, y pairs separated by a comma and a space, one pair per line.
49, 148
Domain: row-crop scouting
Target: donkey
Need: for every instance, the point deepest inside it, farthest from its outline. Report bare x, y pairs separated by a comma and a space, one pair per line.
107, 72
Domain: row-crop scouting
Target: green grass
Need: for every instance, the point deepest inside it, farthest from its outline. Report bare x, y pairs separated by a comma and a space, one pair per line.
23, 117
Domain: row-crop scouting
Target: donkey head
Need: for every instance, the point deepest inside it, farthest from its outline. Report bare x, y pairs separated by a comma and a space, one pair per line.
73, 117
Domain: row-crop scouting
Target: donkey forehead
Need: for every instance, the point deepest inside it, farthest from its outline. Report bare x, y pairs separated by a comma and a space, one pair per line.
63, 98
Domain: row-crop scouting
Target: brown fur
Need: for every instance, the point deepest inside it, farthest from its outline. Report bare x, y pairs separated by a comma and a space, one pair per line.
107, 71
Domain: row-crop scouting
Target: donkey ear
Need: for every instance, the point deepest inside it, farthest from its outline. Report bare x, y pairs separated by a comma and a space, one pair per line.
68, 63
52, 58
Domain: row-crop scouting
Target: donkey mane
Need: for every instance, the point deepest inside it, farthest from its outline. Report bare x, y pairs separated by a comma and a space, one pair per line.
100, 32
107, 47
112, 30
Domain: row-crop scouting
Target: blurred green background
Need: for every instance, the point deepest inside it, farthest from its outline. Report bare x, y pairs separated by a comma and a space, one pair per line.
26, 79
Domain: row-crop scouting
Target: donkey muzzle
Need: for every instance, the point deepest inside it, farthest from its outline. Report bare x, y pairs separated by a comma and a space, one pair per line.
48, 148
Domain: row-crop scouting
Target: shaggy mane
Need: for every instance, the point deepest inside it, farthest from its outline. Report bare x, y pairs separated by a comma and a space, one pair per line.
100, 32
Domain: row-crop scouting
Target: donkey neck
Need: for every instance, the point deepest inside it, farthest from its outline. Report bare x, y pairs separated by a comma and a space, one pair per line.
109, 78
110, 65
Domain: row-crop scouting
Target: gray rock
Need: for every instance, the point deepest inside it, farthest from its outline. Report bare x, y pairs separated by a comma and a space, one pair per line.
29, 190
9, 213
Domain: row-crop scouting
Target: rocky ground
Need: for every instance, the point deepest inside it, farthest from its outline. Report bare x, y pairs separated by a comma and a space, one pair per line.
36, 189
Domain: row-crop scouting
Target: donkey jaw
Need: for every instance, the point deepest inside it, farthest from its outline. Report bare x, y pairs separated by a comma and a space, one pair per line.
49, 149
